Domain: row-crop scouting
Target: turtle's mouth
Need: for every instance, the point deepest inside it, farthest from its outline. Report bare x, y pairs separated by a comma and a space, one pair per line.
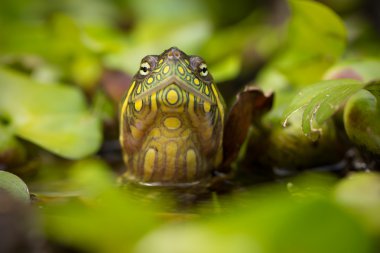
174, 80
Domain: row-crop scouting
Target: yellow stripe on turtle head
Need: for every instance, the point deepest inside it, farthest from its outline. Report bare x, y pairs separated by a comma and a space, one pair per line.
138, 104
218, 102
206, 106
125, 103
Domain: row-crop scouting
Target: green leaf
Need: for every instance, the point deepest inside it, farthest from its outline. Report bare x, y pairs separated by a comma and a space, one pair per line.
71, 135
15, 186
52, 116
374, 88
362, 120
316, 39
320, 101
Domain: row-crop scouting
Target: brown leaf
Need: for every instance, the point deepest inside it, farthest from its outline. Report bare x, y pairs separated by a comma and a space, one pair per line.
115, 83
249, 106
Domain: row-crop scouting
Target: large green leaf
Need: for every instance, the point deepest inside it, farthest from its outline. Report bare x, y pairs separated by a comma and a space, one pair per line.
320, 101
316, 39
52, 116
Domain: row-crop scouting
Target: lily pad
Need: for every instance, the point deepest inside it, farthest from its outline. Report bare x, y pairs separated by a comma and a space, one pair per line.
53, 116
14, 185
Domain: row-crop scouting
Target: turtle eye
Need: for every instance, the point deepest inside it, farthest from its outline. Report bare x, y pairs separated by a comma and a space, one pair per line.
203, 69
144, 68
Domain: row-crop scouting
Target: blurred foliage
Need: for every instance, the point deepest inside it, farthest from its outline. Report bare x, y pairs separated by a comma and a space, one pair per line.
11, 150
267, 219
360, 194
52, 116
101, 210
60, 63
316, 39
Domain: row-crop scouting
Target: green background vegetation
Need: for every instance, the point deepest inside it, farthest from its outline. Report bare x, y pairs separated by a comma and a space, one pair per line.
63, 69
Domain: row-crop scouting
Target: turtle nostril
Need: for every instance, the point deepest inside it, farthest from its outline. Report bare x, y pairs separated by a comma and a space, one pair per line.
170, 54
174, 53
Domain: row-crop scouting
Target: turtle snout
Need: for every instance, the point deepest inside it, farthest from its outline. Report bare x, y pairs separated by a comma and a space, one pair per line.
174, 53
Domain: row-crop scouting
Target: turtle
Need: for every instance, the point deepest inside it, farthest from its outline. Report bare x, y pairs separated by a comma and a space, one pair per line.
174, 129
